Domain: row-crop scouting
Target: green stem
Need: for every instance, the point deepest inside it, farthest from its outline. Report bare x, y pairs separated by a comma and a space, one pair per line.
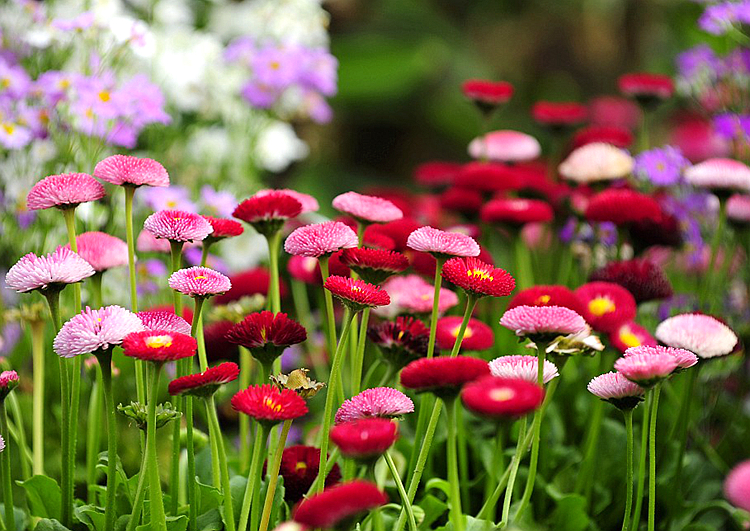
682, 423
140, 494
643, 131
246, 363
37, 354
439, 261
204, 253
330, 317
10, 517
629, 468
585, 480
359, 355
405, 503
181, 402
453, 478
524, 269
302, 310
652, 460
70, 223
274, 299
471, 303
273, 476
642, 466
253, 477
176, 255
520, 449
156, 502
20, 435
191, 479
93, 435
197, 332
708, 287
215, 432
105, 362
96, 289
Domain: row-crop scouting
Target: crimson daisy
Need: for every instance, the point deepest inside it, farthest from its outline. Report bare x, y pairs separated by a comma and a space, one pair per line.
337, 504
223, 228
159, 345
552, 295
646, 88
606, 306
559, 115
488, 177
268, 404
443, 376
365, 439
502, 398
266, 334
299, 468
436, 174
642, 278
465, 201
477, 278
622, 206
374, 265
400, 341
267, 212
206, 383
630, 335
477, 336
517, 211
356, 294
609, 134
487, 95
248, 283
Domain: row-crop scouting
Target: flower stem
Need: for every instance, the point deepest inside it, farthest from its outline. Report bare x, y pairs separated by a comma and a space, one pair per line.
471, 303
405, 503
10, 517
331, 328
215, 433
37, 354
274, 299
93, 435
455, 493
140, 494
585, 480
520, 449
682, 424
629, 472
253, 477
652, 459
204, 253
180, 403
191, 481
273, 476
96, 289
709, 286
156, 502
246, 363
70, 223
176, 255
642, 465
19, 436
435, 307
197, 332
105, 362
524, 268
359, 355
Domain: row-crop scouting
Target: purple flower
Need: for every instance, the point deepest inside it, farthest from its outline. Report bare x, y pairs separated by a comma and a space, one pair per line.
717, 19
193, 257
260, 95
732, 126
147, 271
14, 81
82, 22
25, 219
661, 166
13, 135
218, 204
607, 233
168, 198
319, 71
276, 67
568, 230
699, 61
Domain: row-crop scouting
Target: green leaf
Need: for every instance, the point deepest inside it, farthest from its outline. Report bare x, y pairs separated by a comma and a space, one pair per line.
209, 497
432, 508
92, 516
570, 514
210, 521
174, 523
472, 524
46, 524
439, 484
20, 516
237, 488
43, 496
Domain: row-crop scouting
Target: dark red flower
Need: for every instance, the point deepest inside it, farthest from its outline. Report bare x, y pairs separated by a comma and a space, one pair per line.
665, 231
559, 114
374, 265
487, 95
248, 283
443, 376
609, 134
478, 336
401, 341
436, 173
356, 294
218, 347
547, 296
478, 278
621, 207
223, 228
341, 502
365, 438
399, 231
517, 211
466, 201
159, 345
205, 383
266, 334
645, 87
268, 404
642, 278
488, 177
299, 468
268, 212
606, 306
376, 239
502, 398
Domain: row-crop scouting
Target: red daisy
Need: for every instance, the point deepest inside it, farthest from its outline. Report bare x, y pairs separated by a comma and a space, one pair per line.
206, 383
488, 177
268, 404
487, 95
478, 336
365, 439
642, 278
666, 231
631, 335
268, 212
502, 398
218, 347
356, 294
374, 265
266, 334
559, 114
401, 341
299, 468
223, 228
339, 503
436, 173
552, 295
375, 238
248, 283
622, 206
517, 211
398, 231
478, 278
465, 201
606, 306
645, 87
443, 376
159, 345
610, 134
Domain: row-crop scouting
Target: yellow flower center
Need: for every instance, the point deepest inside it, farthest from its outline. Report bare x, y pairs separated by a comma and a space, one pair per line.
275, 65
301, 466
271, 404
64, 83
601, 305
200, 277
171, 203
8, 128
480, 274
105, 96
629, 338
467, 334
159, 341
5, 82
502, 395
356, 288
543, 300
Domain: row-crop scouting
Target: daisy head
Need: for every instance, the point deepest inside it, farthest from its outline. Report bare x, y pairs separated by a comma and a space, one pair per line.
367, 208
177, 226
442, 244
606, 306
543, 323
383, 402
617, 390
50, 272
701, 334
159, 346
101, 250
523, 367
320, 239
64, 191
356, 294
502, 398
477, 278
95, 330
199, 282
206, 383
268, 212
131, 171
443, 376
268, 404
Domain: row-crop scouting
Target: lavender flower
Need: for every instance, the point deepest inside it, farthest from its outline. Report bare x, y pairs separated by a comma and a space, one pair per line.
218, 204
733, 126
168, 198
661, 166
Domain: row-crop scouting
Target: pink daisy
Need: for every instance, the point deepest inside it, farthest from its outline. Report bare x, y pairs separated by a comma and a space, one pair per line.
478, 336
320, 239
199, 282
64, 191
616, 389
92, 330
737, 486
178, 226
383, 402
52, 271
738, 208
268, 212
411, 294
646, 366
8, 382
308, 202
131, 171
523, 367
505, 146
101, 250
719, 174
367, 208
631, 335
148, 243
356, 294
438, 242
163, 320
596, 162
701, 334
550, 321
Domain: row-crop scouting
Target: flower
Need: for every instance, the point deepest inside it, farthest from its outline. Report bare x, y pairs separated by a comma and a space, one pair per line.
326, 509
374, 265
607, 134
101, 250
365, 439
148, 243
596, 162
159, 345
248, 283
642, 278
559, 114
441, 243
400, 341
267, 212
606, 306
478, 336
523, 367
505, 146
299, 468
413, 295
94, 330
661, 166
622, 206
8, 382
49, 272
266, 334
199, 282
320, 239
206, 383
488, 177
308, 202
645, 87
436, 173
478, 278
630, 335
737, 486
442, 376
367, 208
64, 191
222, 228
177, 225
131, 171
267, 404
503, 398
738, 209
552, 295
701, 334
163, 320
647, 366
617, 390
382, 402
516, 211
487, 95
545, 321
719, 175
462, 200
356, 294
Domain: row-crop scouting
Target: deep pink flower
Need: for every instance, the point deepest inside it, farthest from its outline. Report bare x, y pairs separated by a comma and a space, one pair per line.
92, 330
205, 383
364, 438
308, 202
523, 367
268, 212
701, 334
367, 208
266, 334
720, 174
631, 335
478, 336
443, 376
8, 382
383, 402
101, 250
223, 228
64, 191
199, 282
738, 209
299, 468
505, 146
159, 345
356, 294
685, 359
148, 243
400, 341
374, 265
178, 226
517, 211
606, 306
269, 404
552, 295
413, 295
502, 398
326, 509
622, 206
559, 114
164, 320
486, 94
617, 389
478, 278
132, 171
643, 278
436, 173
53, 271
737, 486
441, 243
320, 239
549, 321
645, 86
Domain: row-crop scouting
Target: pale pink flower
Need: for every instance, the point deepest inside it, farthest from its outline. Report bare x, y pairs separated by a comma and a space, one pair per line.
702, 334
523, 367
64, 191
737, 486
376, 402
308, 202
411, 294
164, 320
101, 250
199, 282
719, 174
132, 171
148, 243
505, 146
430, 240
543, 320
367, 207
646, 366
54, 271
320, 239
176, 225
614, 387
685, 358
738, 208
92, 330
597, 162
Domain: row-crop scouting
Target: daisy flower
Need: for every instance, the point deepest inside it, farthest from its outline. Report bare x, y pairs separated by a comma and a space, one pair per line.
523, 367
299, 468
642, 278
206, 383
320, 239
163, 320
596, 162
559, 114
64, 191
622, 206
159, 345
719, 175
356, 294
365, 439
502, 398
487, 95
367, 208
631, 335
701, 334
606, 306
267, 404
199, 282
268, 212
308, 202
551, 295
374, 265
441, 243
442, 376
411, 294
545, 322
101, 250
617, 390
477, 278
384, 402
505, 146
8, 382
646, 87
49, 272
222, 228
131, 171
266, 334
94, 330
737, 486
477, 336
341, 502
401, 341
177, 226
516, 211
647, 366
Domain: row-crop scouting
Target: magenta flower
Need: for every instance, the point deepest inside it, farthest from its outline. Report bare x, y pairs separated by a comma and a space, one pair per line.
616, 389
64, 191
546, 321
163, 320
101, 250
737, 486
50, 272
8, 382
199, 282
367, 208
384, 402
93, 330
411, 294
308, 202
438, 242
320, 239
701, 334
505, 146
522, 367
131, 171
148, 243
178, 226
720, 174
